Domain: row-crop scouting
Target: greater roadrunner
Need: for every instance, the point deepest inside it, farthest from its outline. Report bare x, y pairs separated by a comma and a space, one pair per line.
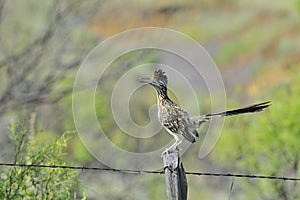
176, 120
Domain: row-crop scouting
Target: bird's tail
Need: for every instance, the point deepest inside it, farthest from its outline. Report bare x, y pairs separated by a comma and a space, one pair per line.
249, 109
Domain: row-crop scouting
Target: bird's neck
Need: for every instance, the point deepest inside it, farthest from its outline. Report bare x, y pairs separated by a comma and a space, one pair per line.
162, 94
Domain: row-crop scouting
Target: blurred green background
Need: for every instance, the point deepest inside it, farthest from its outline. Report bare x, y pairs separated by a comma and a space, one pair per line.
255, 44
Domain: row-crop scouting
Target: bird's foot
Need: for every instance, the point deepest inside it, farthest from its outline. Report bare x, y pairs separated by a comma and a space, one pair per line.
178, 149
165, 152
169, 150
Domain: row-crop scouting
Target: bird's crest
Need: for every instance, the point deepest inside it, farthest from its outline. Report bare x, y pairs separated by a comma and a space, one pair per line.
160, 76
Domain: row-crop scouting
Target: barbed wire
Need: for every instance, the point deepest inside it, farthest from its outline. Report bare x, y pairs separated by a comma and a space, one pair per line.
132, 171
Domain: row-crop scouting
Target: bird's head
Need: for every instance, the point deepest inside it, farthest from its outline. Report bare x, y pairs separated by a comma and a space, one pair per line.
159, 80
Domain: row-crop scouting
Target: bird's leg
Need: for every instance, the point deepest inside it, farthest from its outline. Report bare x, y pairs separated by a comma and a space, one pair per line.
174, 145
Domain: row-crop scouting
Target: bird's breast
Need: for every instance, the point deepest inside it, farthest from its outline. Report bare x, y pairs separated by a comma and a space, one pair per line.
169, 118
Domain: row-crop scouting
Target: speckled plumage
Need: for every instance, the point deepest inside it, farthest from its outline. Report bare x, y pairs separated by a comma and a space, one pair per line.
176, 120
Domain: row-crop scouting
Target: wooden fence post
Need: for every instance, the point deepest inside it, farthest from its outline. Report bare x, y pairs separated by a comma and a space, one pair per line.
176, 183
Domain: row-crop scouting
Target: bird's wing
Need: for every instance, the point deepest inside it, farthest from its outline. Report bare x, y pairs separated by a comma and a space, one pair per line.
196, 133
185, 132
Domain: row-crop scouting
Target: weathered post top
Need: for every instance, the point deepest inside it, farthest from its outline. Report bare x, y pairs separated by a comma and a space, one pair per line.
176, 183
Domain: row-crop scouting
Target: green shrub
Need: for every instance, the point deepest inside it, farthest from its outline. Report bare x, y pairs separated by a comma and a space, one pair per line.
266, 143
37, 182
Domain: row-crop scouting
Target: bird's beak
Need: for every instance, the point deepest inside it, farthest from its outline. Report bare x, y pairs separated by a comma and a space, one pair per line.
145, 80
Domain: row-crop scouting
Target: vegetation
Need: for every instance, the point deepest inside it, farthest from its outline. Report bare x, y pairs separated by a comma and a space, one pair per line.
36, 182
255, 44
266, 144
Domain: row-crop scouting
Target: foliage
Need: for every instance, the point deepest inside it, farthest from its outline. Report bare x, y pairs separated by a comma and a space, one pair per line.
37, 63
35, 182
266, 144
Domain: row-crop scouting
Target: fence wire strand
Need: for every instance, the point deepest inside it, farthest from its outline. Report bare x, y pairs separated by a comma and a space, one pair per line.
132, 171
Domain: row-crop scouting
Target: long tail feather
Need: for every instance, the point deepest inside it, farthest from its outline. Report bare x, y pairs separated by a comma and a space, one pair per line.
249, 109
